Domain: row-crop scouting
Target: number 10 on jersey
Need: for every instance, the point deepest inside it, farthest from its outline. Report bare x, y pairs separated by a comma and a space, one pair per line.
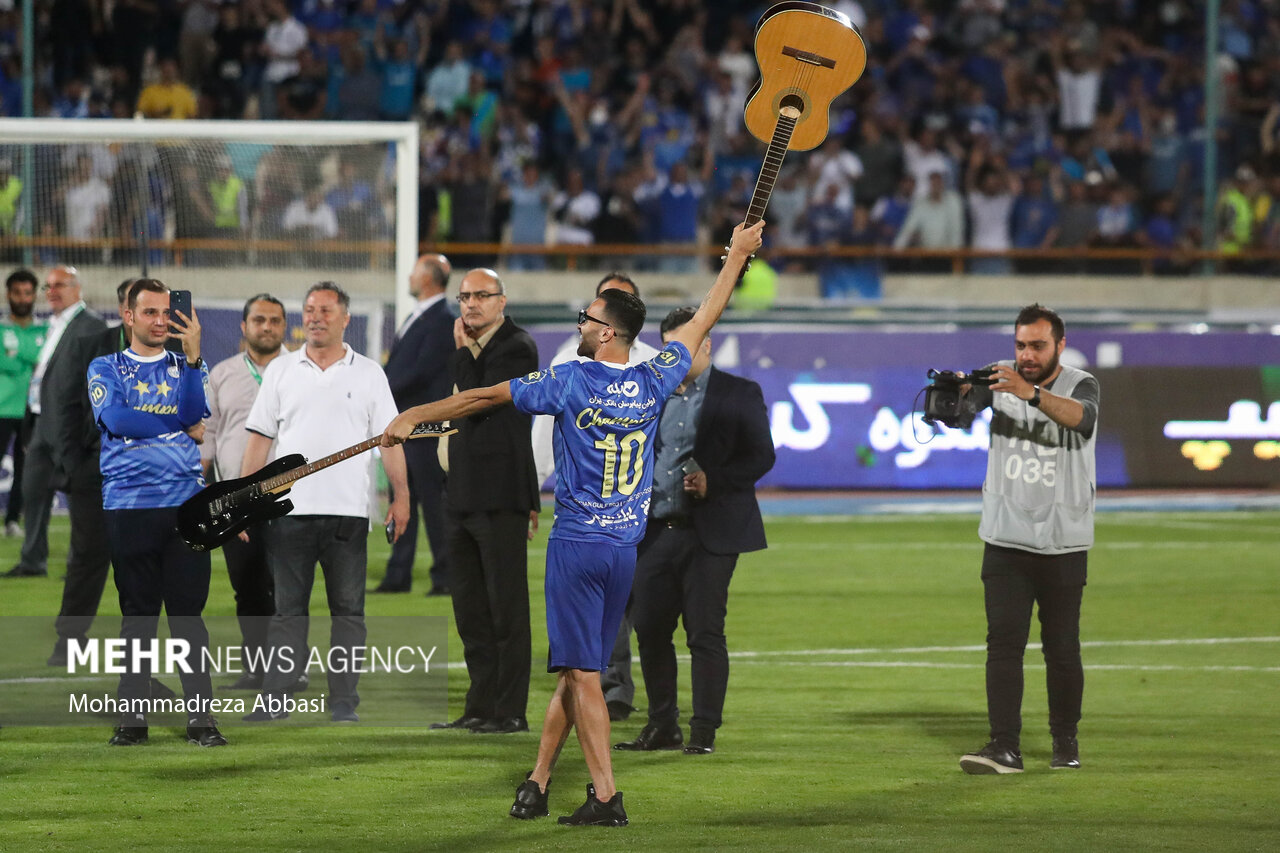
622, 474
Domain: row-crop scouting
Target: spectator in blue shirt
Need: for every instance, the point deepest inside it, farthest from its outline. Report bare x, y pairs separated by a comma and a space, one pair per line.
398, 73
1035, 223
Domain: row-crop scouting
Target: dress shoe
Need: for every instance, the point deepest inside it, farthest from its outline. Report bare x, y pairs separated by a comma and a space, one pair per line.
300, 685
701, 741
247, 681
344, 714
595, 813
651, 737
463, 722
531, 801
21, 571
128, 736
619, 711
385, 588
992, 758
502, 726
439, 590
203, 731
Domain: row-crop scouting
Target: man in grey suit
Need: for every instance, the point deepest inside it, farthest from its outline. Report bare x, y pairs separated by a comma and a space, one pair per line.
44, 421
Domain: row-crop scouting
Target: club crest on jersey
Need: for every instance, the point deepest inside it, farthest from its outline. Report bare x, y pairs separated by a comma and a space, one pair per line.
173, 371
627, 389
537, 376
666, 359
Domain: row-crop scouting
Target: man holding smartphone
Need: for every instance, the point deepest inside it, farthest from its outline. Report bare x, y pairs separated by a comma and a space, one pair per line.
144, 399
713, 445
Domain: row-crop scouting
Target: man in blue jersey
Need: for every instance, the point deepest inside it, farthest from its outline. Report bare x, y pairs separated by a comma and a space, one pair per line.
144, 399
606, 418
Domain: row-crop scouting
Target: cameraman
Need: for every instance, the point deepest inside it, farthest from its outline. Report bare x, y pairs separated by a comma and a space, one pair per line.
1037, 523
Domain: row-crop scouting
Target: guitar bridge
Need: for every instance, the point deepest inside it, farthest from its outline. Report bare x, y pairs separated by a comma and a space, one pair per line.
808, 56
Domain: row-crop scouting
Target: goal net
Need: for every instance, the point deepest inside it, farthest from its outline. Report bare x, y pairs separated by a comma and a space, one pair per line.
226, 209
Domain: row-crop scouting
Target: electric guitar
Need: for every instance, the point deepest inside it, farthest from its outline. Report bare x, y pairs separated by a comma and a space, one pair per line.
808, 56
218, 512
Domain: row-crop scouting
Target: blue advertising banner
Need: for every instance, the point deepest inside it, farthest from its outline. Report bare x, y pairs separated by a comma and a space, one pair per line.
844, 403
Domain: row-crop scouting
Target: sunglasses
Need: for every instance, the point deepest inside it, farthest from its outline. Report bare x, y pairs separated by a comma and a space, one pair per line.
584, 318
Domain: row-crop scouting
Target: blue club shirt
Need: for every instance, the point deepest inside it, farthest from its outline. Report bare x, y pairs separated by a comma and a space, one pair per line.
142, 406
606, 420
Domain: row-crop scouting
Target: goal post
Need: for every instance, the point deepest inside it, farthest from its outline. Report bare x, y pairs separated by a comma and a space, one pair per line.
122, 195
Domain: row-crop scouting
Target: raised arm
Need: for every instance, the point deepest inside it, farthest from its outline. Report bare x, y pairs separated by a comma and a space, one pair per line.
459, 405
746, 239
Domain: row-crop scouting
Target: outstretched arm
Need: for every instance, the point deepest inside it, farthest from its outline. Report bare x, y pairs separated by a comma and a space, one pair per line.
746, 239
457, 406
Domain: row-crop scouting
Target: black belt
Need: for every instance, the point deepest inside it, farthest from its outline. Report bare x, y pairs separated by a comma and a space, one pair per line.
674, 523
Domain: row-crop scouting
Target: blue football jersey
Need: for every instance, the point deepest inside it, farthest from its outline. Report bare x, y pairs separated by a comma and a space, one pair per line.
154, 471
606, 420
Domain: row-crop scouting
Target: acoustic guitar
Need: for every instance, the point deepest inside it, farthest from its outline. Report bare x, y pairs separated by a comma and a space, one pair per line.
218, 512
808, 56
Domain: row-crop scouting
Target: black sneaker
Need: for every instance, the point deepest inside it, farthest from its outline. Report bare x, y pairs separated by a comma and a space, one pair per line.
992, 758
128, 736
531, 801
1066, 754
595, 813
203, 731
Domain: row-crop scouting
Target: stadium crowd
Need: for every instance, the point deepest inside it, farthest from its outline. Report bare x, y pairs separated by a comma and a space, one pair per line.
991, 124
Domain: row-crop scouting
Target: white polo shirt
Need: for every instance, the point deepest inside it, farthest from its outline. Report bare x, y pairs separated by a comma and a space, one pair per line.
318, 412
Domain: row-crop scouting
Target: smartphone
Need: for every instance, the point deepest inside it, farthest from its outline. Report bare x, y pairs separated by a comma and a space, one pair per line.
691, 466
391, 532
179, 300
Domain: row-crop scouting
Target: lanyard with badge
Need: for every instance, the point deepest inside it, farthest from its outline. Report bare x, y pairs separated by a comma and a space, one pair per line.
253, 370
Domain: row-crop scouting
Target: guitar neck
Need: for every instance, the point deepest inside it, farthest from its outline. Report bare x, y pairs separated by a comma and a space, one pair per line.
772, 166
274, 484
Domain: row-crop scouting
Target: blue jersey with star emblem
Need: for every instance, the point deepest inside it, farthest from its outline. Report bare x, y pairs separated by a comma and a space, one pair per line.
606, 419
143, 405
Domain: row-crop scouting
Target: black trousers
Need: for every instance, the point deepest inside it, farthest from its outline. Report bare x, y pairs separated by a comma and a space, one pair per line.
491, 608
11, 430
250, 578
616, 680
426, 492
676, 576
154, 569
38, 474
88, 556
1013, 581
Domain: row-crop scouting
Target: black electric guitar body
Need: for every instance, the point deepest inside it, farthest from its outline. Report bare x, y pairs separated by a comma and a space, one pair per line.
218, 512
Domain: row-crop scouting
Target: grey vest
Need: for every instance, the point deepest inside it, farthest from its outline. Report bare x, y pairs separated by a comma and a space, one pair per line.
1041, 477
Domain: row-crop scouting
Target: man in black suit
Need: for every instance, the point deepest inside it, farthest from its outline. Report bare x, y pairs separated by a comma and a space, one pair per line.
492, 499
79, 476
47, 426
713, 445
417, 370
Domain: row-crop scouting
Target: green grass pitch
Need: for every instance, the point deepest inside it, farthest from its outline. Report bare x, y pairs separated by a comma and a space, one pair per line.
856, 684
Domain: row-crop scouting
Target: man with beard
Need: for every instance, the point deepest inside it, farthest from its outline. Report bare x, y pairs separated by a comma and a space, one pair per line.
233, 386
606, 421
23, 338
1037, 523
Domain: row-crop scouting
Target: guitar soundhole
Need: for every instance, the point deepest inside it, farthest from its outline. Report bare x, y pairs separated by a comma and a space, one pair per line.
791, 101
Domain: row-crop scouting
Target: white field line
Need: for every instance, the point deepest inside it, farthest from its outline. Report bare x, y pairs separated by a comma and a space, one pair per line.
919, 664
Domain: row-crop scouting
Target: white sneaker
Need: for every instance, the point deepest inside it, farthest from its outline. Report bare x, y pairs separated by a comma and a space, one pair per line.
13, 529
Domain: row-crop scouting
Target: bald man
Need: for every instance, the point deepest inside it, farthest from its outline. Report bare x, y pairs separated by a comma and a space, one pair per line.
491, 503
418, 371
48, 430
